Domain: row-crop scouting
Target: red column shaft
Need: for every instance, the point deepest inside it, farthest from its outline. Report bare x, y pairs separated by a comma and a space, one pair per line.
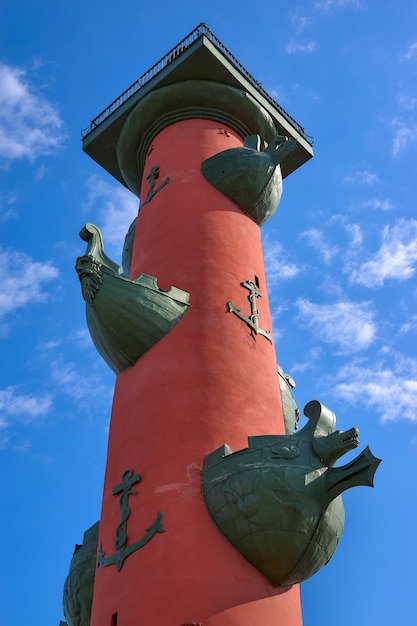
207, 382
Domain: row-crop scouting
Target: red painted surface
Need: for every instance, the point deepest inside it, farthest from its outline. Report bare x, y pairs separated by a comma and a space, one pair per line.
207, 382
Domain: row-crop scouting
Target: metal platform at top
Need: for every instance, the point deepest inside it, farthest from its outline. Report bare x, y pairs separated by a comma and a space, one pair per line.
199, 56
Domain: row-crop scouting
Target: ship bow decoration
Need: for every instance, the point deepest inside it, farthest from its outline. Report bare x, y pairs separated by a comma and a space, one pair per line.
125, 317
278, 501
249, 176
78, 587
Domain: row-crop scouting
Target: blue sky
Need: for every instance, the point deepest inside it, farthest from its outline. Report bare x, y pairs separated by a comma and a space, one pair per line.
341, 256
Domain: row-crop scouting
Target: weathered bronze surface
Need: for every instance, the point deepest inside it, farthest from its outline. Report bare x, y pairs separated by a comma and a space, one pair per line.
278, 501
125, 317
152, 191
289, 408
122, 550
128, 248
252, 319
78, 587
187, 99
251, 177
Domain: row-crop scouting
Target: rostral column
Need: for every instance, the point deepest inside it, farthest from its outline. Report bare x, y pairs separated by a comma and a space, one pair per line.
186, 326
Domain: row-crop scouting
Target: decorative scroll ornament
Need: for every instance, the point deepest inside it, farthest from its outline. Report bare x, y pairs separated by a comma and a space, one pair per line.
125, 317
250, 177
252, 320
278, 501
122, 550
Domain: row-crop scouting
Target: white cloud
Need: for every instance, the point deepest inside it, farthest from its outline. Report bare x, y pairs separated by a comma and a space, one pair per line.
7, 208
18, 407
364, 177
22, 280
404, 135
328, 5
117, 208
410, 53
348, 326
293, 47
355, 233
395, 260
407, 103
278, 266
74, 382
315, 239
30, 126
408, 326
298, 21
83, 339
28, 407
388, 388
375, 203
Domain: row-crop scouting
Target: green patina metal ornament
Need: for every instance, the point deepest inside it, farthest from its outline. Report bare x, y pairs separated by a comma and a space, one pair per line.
152, 191
79, 584
128, 248
125, 317
252, 320
78, 587
278, 501
184, 100
122, 550
251, 177
289, 408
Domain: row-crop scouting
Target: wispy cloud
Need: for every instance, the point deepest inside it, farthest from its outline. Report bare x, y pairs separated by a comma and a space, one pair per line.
409, 326
298, 21
27, 407
116, 206
407, 103
22, 280
348, 326
277, 264
19, 407
388, 387
375, 203
363, 177
396, 258
30, 126
315, 239
329, 5
71, 381
294, 47
355, 234
405, 133
311, 358
7, 206
410, 53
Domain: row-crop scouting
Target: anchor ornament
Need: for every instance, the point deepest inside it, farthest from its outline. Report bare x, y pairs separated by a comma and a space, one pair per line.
252, 320
122, 550
151, 177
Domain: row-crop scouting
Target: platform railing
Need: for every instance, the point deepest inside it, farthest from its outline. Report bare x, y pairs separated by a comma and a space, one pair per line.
197, 33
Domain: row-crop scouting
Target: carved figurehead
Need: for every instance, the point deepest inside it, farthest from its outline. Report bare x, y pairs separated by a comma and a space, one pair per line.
278, 501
